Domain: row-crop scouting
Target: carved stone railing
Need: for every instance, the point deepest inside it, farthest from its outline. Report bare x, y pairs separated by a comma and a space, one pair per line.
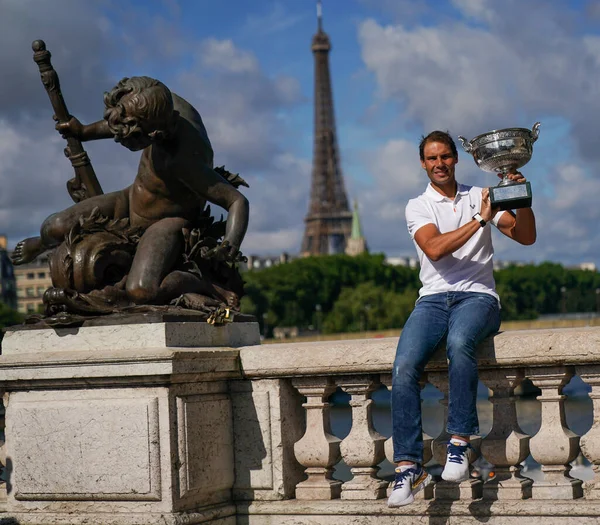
2, 461
243, 434
547, 358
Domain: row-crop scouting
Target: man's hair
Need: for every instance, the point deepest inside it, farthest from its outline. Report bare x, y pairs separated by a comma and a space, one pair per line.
437, 136
139, 104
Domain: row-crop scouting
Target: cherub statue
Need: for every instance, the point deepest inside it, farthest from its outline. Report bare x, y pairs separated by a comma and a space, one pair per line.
161, 214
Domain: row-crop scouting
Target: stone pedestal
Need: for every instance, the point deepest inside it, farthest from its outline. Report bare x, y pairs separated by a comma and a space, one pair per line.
121, 425
267, 420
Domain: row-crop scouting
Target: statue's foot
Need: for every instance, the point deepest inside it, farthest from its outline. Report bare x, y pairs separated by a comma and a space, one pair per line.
230, 298
196, 301
27, 250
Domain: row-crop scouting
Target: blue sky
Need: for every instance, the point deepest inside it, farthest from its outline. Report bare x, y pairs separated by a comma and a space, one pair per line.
400, 68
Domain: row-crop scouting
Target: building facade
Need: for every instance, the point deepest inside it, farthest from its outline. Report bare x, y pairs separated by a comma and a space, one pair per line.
32, 280
8, 288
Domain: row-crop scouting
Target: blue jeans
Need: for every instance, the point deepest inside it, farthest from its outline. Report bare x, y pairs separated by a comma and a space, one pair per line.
463, 319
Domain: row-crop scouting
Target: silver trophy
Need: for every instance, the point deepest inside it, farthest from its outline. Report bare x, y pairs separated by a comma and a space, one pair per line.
504, 151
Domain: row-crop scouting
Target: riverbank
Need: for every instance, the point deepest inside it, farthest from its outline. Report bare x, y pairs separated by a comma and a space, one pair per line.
536, 324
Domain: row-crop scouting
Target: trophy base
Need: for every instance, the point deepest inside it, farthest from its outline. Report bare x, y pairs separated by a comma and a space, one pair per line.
511, 196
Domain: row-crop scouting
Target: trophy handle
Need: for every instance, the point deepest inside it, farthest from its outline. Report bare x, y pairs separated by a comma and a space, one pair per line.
466, 144
535, 131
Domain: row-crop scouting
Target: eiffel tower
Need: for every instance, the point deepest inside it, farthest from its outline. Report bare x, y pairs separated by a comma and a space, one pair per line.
329, 219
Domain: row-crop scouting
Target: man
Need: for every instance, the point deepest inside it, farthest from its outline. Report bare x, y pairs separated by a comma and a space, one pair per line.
174, 181
450, 226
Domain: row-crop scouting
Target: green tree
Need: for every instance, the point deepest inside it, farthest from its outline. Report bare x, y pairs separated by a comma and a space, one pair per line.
290, 294
342, 293
548, 288
369, 307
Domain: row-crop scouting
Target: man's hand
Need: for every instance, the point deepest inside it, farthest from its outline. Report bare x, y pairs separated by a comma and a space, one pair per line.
487, 212
70, 129
515, 176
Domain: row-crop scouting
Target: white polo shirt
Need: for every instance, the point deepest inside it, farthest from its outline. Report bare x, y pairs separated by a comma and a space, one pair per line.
468, 269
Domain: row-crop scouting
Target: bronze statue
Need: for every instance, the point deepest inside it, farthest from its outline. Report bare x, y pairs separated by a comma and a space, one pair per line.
154, 242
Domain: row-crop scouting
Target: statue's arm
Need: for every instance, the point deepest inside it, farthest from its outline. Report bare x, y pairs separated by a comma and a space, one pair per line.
209, 185
84, 132
97, 130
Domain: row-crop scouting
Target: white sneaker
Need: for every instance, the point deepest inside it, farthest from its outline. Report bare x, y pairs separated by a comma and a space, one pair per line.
457, 462
409, 480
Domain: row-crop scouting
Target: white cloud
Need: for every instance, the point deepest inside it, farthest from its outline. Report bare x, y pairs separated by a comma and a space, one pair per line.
592, 46
239, 104
279, 198
439, 80
273, 242
470, 78
477, 9
223, 55
277, 19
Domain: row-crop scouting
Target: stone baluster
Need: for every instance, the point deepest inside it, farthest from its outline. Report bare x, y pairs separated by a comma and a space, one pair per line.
554, 446
3, 494
467, 490
427, 493
590, 442
362, 449
506, 446
318, 450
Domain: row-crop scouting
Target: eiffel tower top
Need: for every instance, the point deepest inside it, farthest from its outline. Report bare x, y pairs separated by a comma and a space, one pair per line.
320, 41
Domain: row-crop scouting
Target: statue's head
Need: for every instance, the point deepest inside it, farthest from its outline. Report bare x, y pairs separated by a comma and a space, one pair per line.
139, 111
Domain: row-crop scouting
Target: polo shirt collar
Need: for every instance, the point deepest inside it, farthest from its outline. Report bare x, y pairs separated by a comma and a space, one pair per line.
461, 189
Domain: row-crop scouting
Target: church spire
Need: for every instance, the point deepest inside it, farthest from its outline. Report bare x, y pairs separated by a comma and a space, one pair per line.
356, 244
356, 229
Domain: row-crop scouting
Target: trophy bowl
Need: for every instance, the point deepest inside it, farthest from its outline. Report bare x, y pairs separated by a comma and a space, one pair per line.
502, 150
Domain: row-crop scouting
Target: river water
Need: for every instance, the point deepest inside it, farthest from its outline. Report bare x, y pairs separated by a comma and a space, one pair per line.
578, 411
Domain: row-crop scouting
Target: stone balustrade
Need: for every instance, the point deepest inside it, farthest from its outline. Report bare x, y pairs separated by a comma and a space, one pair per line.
547, 358
270, 416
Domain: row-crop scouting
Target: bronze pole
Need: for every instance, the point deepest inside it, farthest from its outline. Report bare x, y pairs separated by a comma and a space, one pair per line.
85, 183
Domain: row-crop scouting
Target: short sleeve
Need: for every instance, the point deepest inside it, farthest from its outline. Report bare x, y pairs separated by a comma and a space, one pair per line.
417, 215
496, 218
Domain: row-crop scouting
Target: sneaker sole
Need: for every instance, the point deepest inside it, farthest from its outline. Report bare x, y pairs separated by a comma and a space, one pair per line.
457, 480
418, 486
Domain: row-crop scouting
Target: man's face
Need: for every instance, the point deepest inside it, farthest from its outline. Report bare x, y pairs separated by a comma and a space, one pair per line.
439, 163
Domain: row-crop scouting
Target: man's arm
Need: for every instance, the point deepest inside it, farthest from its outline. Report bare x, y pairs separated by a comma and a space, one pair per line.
437, 245
519, 227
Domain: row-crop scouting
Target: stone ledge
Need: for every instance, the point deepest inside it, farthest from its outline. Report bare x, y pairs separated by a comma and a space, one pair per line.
149, 365
358, 512
130, 336
223, 515
518, 348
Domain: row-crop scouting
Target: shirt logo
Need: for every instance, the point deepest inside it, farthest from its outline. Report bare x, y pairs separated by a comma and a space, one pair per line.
472, 206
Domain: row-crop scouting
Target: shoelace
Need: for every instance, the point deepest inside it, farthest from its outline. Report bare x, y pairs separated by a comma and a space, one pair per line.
457, 452
401, 477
